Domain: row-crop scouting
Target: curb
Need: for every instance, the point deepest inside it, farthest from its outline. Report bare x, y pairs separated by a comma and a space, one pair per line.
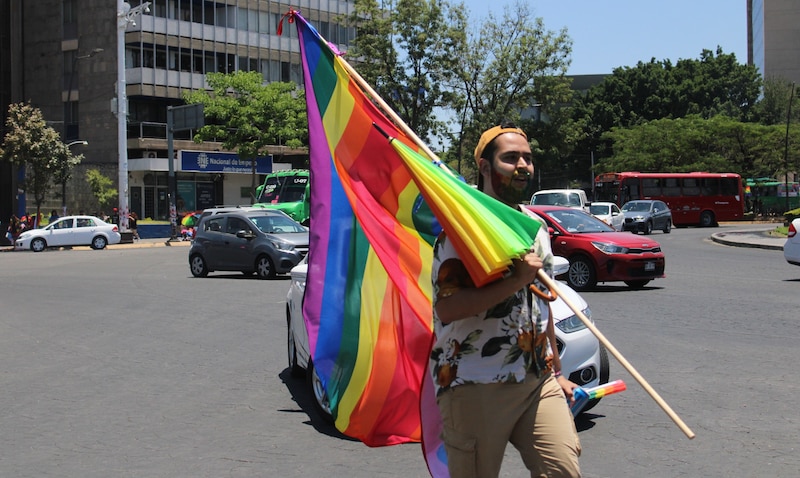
773, 244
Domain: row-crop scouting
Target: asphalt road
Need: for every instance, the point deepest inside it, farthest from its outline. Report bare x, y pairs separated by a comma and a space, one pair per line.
119, 363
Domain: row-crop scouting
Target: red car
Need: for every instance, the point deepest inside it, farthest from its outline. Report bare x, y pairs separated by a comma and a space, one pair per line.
597, 253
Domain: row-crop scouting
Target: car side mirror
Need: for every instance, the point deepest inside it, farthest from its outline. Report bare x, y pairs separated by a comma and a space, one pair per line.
552, 231
245, 234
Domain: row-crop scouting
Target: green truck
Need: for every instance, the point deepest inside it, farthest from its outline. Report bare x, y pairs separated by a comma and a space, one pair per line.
287, 191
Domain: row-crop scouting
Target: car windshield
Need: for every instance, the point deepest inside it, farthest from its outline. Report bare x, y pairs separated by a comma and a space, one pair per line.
557, 199
637, 206
578, 222
599, 209
274, 224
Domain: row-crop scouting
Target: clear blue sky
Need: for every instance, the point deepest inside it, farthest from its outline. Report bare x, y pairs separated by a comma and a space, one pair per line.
609, 34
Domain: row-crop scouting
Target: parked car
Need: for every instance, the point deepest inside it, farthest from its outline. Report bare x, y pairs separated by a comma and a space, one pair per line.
609, 213
70, 231
791, 249
645, 215
583, 358
574, 198
598, 253
261, 241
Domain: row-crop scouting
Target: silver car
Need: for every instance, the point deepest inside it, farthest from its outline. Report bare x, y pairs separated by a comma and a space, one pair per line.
260, 241
583, 358
644, 215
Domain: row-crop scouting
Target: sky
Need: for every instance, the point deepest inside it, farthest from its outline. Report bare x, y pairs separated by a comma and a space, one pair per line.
614, 33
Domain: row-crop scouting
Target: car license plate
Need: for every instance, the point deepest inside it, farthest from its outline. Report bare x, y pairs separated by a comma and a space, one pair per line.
649, 266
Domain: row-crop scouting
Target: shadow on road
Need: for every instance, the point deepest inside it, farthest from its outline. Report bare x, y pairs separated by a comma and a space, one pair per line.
301, 394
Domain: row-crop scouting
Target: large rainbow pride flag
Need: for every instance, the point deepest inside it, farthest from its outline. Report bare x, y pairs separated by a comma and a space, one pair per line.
377, 206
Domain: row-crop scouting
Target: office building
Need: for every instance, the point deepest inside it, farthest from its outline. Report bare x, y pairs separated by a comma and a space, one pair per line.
773, 38
61, 55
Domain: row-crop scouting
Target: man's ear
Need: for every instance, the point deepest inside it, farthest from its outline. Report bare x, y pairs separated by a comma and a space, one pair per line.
484, 167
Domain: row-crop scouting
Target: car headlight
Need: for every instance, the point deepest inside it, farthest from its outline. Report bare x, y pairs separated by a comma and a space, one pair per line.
283, 246
573, 323
609, 248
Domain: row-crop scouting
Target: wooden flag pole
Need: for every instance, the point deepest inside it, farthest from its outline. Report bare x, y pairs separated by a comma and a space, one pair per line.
543, 277
551, 284
388, 110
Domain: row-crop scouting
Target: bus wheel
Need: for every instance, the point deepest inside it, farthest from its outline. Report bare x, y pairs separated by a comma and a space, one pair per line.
707, 219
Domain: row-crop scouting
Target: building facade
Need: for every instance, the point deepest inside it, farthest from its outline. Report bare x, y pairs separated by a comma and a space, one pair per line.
773, 43
61, 55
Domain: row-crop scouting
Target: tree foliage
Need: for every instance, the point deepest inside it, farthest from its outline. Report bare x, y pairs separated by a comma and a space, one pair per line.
32, 144
102, 188
404, 50
719, 144
247, 115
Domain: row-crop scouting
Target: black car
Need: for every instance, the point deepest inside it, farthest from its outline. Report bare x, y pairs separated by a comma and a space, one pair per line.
645, 215
261, 241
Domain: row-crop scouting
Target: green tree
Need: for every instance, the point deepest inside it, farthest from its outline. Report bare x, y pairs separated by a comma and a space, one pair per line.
33, 145
511, 67
719, 144
403, 50
247, 116
102, 188
773, 107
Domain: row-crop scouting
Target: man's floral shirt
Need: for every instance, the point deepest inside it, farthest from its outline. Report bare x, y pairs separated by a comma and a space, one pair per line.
501, 344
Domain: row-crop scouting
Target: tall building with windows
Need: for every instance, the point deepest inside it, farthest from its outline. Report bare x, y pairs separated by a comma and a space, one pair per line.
61, 55
773, 38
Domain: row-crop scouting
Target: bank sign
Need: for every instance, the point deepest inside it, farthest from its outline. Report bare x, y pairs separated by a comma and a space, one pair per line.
216, 162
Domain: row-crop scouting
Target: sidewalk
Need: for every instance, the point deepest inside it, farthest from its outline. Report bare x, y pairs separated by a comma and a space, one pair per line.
140, 244
758, 238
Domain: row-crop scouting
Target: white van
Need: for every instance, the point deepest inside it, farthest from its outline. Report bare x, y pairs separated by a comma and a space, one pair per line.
574, 198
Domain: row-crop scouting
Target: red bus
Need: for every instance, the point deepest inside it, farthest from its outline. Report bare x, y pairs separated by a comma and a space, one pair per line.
694, 198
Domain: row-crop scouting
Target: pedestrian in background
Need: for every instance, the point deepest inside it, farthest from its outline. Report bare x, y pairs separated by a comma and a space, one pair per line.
132, 224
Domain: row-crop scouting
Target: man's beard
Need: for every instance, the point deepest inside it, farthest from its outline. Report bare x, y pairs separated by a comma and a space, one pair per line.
504, 187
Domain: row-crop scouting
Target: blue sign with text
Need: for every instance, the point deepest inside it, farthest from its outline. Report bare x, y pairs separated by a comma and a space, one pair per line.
216, 162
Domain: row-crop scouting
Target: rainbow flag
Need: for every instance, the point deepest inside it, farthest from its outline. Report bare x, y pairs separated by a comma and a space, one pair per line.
377, 206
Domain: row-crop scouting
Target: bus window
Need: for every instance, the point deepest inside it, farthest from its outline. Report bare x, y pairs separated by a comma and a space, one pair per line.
690, 187
709, 187
651, 187
671, 187
729, 187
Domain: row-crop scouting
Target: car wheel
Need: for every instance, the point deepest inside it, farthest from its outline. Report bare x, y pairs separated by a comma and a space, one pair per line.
707, 219
198, 266
295, 370
605, 373
38, 245
99, 242
318, 393
668, 227
264, 267
581, 274
637, 284
648, 228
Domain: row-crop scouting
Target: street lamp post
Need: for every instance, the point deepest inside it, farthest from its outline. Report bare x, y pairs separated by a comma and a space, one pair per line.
786, 149
125, 16
64, 171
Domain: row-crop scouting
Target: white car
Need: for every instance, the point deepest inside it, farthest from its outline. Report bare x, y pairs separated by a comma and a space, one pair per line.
791, 249
609, 213
583, 359
70, 231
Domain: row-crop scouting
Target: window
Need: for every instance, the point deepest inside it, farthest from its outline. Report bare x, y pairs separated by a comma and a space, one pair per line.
236, 224
671, 187
651, 187
691, 187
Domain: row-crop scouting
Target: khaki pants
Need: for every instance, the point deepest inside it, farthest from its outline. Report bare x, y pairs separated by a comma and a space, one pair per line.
480, 419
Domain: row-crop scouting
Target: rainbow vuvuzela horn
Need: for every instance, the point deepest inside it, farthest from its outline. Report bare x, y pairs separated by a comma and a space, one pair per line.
583, 395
